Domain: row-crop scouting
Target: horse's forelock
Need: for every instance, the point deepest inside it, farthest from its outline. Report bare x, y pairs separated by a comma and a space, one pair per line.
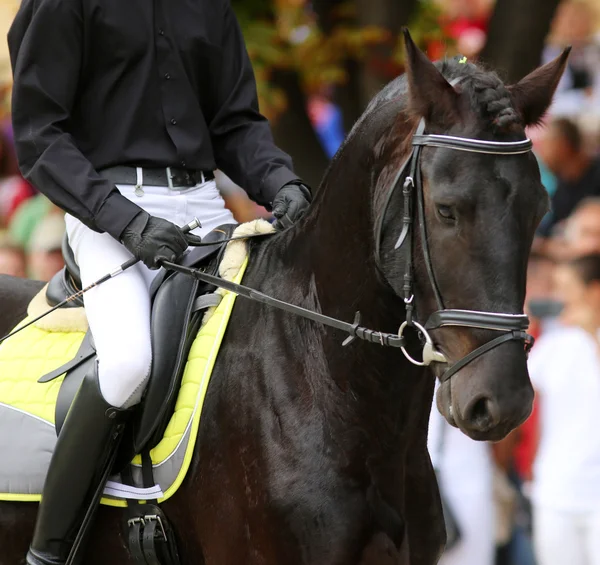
489, 98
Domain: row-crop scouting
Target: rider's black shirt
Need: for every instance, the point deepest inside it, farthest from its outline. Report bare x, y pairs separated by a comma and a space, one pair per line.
99, 83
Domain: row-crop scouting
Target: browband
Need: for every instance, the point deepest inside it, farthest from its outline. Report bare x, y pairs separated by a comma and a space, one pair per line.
474, 145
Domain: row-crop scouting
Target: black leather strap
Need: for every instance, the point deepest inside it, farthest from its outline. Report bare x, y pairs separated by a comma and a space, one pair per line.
516, 334
157, 176
423, 231
354, 330
134, 521
85, 351
151, 536
474, 145
134, 540
474, 319
205, 301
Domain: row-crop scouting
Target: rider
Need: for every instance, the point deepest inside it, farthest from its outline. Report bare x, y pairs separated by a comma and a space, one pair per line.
121, 112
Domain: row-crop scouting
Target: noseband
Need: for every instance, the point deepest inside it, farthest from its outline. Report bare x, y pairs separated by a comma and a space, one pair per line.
512, 326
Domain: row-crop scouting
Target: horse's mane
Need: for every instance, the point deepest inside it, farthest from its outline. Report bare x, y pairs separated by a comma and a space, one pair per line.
488, 96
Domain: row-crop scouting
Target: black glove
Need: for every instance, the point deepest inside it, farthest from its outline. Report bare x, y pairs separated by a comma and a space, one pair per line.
153, 240
289, 205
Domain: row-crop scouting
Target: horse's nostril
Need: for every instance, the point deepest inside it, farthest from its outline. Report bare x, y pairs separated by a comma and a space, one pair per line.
481, 415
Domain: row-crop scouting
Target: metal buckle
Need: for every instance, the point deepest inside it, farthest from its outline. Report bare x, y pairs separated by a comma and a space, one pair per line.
430, 353
132, 521
139, 183
170, 179
156, 518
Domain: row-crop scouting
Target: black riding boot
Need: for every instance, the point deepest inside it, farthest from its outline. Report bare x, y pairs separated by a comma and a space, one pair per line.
85, 445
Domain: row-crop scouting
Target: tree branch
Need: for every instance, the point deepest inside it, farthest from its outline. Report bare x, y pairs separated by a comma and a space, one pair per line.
516, 36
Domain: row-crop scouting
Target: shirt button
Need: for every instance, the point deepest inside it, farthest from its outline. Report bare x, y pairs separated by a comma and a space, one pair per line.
161, 31
167, 76
173, 121
183, 163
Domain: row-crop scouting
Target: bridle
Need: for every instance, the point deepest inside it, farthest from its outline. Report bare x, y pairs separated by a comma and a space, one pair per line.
512, 326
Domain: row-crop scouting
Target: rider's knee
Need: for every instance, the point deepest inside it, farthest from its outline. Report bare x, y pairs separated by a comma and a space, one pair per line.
122, 381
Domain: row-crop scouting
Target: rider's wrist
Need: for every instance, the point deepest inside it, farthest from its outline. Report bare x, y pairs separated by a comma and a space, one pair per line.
115, 214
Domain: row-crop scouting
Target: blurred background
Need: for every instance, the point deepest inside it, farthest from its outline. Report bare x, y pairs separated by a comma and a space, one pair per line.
535, 497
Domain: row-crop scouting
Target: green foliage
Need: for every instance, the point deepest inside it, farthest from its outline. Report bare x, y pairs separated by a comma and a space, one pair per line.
282, 34
428, 33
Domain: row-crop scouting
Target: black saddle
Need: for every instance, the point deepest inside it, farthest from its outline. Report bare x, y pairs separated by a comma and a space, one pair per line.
178, 302
67, 281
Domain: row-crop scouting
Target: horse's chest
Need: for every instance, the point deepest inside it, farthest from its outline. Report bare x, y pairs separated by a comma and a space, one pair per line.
331, 522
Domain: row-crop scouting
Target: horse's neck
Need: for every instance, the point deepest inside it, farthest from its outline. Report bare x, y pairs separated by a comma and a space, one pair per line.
373, 397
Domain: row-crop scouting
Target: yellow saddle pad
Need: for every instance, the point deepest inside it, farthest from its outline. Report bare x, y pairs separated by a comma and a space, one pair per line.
27, 433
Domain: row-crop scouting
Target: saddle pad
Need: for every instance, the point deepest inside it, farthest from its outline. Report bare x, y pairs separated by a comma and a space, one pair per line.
27, 433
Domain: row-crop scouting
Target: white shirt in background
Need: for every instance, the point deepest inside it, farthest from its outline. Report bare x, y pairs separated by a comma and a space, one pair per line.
564, 366
465, 474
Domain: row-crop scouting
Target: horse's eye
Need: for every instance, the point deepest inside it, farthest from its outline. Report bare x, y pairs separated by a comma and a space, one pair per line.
445, 212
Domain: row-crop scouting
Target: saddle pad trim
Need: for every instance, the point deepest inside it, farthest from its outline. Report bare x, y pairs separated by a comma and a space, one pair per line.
193, 426
38, 418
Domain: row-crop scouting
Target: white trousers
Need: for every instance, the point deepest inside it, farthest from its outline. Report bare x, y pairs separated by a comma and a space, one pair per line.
564, 537
118, 311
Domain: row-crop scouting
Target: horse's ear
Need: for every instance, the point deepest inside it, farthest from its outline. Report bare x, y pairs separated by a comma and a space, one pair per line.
431, 96
533, 94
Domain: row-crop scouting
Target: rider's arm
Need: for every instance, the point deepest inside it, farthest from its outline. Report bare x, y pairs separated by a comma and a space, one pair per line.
47, 49
242, 139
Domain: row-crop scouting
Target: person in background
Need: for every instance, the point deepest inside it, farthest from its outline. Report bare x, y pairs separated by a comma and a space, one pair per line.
581, 234
27, 216
327, 120
237, 201
564, 366
12, 258
550, 182
575, 24
578, 173
44, 257
464, 469
466, 21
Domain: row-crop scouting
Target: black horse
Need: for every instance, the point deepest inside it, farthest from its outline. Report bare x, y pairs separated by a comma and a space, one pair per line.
313, 453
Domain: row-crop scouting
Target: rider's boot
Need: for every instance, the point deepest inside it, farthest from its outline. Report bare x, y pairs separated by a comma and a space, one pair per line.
84, 449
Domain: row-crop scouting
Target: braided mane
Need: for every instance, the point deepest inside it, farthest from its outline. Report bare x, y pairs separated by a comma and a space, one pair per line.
490, 99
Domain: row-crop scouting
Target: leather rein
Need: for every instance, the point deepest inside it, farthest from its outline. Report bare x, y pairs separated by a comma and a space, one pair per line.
512, 326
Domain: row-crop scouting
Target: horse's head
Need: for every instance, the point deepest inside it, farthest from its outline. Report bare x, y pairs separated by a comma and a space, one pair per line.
470, 242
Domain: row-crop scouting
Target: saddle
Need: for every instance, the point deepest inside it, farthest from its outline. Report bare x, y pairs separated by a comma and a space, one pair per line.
174, 325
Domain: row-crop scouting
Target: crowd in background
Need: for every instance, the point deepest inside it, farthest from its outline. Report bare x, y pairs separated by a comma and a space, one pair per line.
535, 497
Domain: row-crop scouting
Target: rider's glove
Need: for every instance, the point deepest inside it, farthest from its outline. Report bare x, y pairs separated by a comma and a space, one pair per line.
289, 204
153, 240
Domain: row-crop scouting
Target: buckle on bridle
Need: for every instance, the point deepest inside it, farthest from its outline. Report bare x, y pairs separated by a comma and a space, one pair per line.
430, 353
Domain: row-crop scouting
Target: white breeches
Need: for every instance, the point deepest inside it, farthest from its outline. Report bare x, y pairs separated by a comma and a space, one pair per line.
118, 311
